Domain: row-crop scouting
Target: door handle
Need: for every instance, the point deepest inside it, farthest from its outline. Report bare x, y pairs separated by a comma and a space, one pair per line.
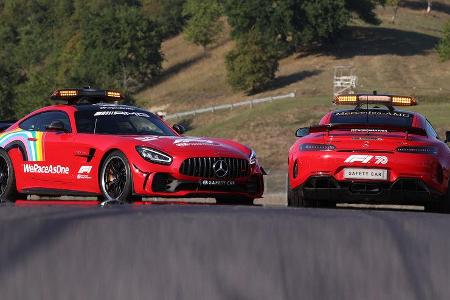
32, 139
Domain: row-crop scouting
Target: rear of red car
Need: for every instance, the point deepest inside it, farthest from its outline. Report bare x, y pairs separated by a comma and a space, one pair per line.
369, 155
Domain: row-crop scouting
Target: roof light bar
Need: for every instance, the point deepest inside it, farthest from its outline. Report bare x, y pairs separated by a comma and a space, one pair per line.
388, 100
74, 96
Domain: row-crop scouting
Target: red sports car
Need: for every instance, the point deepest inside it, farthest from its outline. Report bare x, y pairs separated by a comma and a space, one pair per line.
87, 146
372, 153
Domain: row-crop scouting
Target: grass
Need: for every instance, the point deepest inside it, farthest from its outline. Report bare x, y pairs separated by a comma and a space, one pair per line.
394, 58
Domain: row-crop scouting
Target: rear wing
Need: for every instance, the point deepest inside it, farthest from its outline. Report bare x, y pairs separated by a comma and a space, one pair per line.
368, 128
6, 124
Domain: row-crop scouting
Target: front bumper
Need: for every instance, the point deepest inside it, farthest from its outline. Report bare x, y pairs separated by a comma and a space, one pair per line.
165, 182
402, 191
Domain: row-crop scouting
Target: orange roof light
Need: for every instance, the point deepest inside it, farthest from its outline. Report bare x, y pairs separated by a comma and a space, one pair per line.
67, 93
375, 99
113, 94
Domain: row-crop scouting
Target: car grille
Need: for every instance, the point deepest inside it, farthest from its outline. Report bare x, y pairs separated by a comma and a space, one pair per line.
204, 167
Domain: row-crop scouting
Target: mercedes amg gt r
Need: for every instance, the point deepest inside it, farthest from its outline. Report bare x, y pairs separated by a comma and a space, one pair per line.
90, 145
373, 153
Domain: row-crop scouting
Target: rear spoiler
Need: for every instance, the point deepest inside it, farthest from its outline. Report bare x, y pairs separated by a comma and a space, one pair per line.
6, 124
366, 127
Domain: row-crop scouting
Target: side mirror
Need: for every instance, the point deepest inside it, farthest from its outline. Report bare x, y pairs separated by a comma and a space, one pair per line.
447, 137
179, 128
56, 126
301, 132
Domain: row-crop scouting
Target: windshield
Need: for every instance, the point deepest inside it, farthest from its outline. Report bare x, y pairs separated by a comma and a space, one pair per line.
121, 123
373, 117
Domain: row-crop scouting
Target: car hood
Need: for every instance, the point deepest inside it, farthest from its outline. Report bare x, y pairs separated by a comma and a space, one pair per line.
192, 146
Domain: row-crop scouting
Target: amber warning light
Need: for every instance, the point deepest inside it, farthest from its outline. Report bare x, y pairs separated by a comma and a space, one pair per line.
358, 99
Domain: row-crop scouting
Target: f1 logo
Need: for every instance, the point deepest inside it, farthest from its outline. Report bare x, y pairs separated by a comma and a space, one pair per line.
359, 158
365, 159
85, 170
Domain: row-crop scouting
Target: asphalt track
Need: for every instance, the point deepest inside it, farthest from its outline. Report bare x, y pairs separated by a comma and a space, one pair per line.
218, 252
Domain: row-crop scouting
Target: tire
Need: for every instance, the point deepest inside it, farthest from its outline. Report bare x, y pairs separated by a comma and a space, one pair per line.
115, 178
8, 190
234, 200
296, 198
441, 205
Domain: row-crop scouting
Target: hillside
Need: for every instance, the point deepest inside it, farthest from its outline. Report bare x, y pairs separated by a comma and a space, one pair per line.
395, 58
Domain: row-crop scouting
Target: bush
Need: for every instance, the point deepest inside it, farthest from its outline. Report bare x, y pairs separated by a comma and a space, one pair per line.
204, 24
444, 45
252, 64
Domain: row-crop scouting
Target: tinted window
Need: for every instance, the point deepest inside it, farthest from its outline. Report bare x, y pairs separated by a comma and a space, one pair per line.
375, 117
40, 121
430, 130
121, 122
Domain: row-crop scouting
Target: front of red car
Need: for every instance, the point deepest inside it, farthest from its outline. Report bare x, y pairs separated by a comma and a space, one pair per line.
178, 166
368, 155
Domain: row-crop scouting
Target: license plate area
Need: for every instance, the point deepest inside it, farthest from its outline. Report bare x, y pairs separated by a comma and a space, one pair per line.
210, 182
365, 174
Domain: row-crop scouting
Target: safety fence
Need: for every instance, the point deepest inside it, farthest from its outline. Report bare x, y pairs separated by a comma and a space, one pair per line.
232, 106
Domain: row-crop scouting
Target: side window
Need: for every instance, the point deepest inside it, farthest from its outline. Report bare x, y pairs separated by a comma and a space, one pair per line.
41, 121
30, 124
430, 130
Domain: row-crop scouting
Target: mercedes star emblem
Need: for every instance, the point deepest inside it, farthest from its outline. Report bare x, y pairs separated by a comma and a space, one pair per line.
220, 168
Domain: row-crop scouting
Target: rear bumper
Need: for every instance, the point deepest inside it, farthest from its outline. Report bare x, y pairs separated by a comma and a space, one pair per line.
402, 191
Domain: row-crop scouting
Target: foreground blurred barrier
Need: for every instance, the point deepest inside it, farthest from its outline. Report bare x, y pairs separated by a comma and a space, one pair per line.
213, 252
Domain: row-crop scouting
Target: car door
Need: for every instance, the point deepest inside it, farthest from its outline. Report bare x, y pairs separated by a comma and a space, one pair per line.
48, 162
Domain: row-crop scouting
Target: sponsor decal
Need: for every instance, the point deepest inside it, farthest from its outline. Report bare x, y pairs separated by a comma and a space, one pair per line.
120, 113
49, 169
373, 113
193, 142
146, 138
217, 182
114, 106
365, 159
84, 172
31, 140
368, 130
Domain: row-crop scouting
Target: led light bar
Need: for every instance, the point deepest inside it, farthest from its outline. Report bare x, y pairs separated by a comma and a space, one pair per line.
74, 96
375, 99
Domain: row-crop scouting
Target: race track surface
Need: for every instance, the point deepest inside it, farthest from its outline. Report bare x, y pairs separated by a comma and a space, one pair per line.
216, 252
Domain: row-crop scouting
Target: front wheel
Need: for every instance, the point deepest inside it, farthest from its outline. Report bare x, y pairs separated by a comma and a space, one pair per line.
8, 191
115, 178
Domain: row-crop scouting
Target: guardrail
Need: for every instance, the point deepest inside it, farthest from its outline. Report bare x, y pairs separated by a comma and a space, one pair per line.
228, 106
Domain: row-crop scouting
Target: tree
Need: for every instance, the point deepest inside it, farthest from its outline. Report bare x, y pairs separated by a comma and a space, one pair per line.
7, 97
204, 23
444, 45
167, 13
117, 47
252, 64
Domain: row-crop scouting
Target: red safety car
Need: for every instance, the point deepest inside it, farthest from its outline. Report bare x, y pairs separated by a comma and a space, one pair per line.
90, 145
373, 153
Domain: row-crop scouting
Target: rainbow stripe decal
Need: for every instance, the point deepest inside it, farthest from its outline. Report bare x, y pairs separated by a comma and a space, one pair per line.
31, 140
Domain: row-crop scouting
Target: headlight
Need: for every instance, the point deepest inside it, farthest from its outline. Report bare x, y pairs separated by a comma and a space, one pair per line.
154, 156
417, 150
253, 157
317, 147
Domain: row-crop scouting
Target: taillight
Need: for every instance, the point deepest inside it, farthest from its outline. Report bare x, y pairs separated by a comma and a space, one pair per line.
317, 147
417, 150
